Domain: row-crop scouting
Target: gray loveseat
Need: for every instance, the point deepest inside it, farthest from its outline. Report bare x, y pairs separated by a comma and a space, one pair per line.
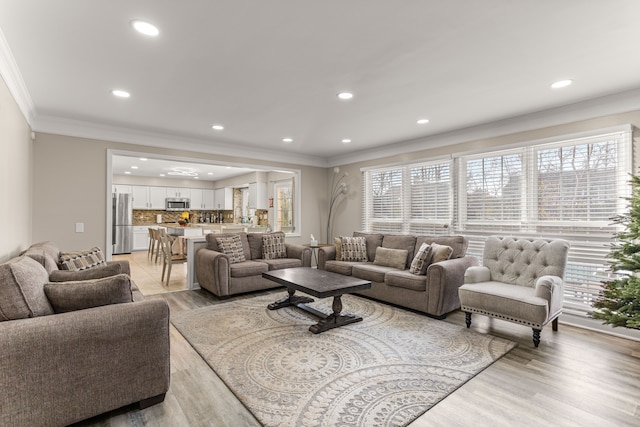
217, 273
75, 349
434, 293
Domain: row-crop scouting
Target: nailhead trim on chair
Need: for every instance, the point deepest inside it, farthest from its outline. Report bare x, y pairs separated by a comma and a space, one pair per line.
503, 317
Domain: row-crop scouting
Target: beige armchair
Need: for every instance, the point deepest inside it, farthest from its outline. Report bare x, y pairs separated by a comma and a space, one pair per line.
521, 281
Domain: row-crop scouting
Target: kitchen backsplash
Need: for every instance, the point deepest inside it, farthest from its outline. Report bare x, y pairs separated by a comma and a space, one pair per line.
146, 217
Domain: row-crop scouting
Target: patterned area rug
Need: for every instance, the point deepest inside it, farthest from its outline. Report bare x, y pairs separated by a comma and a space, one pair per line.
384, 371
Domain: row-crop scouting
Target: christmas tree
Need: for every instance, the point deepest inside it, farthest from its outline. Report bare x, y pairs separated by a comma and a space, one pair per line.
619, 302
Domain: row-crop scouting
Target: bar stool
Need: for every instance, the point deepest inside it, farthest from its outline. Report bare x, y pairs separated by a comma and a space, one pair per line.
168, 257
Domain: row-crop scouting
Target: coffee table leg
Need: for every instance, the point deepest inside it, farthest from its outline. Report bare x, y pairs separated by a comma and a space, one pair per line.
289, 300
335, 319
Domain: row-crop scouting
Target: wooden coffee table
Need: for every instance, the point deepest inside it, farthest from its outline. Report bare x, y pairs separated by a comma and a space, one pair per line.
320, 284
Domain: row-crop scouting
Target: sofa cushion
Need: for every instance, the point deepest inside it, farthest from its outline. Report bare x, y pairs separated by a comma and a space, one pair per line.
231, 247
440, 253
420, 261
22, 294
248, 268
273, 246
341, 267
79, 295
280, 263
396, 258
371, 272
101, 271
374, 240
353, 249
458, 243
401, 241
46, 253
81, 260
255, 244
407, 280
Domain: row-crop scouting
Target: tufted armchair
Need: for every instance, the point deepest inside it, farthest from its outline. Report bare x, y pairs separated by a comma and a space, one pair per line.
520, 280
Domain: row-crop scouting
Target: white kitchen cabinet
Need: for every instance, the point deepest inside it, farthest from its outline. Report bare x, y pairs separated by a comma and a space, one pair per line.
148, 197
182, 193
117, 188
223, 198
202, 199
140, 238
258, 195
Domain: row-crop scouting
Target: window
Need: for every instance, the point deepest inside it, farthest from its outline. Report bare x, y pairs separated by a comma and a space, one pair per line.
565, 189
415, 198
284, 206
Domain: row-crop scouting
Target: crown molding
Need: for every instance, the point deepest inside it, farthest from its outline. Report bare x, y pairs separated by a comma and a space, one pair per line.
90, 130
622, 102
13, 79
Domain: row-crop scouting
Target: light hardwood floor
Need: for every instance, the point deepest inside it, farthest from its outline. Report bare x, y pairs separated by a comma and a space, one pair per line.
575, 378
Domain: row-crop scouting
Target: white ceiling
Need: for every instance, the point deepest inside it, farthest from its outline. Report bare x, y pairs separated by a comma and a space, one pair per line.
271, 69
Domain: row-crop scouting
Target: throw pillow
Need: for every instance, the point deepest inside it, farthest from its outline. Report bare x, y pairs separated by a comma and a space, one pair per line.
353, 249
231, 247
338, 244
79, 295
440, 253
81, 260
273, 246
419, 264
22, 294
396, 258
101, 271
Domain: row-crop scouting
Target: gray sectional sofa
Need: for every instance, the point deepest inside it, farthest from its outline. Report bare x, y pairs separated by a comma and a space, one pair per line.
434, 293
217, 273
75, 349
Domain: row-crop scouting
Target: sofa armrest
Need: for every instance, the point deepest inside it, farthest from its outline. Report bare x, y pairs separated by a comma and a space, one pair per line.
124, 265
63, 368
108, 270
326, 253
212, 271
477, 274
443, 280
300, 252
551, 288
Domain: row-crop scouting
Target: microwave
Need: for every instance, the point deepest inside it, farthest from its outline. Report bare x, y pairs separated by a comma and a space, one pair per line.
176, 204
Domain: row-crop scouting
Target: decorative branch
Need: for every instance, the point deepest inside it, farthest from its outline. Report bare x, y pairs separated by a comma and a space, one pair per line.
338, 188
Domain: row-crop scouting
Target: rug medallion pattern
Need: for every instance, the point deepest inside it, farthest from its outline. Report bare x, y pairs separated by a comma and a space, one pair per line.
385, 371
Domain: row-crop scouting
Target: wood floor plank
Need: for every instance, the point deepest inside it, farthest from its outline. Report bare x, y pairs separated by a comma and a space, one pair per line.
576, 377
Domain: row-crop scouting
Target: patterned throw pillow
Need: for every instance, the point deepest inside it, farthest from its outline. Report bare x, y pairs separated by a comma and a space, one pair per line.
419, 264
273, 246
81, 260
354, 249
231, 247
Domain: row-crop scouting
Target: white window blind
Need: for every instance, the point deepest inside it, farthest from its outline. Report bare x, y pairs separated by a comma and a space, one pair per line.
413, 198
568, 189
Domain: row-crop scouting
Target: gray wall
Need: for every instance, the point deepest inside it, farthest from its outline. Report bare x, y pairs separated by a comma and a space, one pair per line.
70, 186
16, 166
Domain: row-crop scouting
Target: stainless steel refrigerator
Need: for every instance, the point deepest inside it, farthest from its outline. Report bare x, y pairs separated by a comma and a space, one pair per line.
122, 231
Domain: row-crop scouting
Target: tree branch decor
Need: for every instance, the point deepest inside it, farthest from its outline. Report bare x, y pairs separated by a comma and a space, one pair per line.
619, 302
338, 189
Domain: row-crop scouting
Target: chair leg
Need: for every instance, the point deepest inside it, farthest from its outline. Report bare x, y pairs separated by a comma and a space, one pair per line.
554, 325
467, 318
168, 272
536, 337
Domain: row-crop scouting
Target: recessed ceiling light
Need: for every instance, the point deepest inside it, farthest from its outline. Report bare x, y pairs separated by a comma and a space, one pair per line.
144, 159
210, 173
134, 167
561, 83
121, 93
422, 121
346, 141
217, 127
196, 177
127, 172
287, 140
145, 28
345, 95
162, 174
